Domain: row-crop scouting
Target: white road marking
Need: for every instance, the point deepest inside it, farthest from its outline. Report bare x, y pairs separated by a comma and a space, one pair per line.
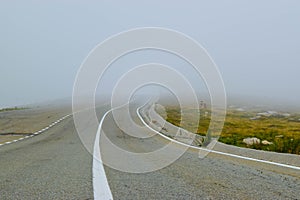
38, 132
100, 184
213, 151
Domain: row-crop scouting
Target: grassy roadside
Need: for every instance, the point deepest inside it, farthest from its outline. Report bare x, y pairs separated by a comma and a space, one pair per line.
281, 133
6, 137
13, 108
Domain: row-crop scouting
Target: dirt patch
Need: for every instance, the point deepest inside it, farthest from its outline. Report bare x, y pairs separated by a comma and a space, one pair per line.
19, 123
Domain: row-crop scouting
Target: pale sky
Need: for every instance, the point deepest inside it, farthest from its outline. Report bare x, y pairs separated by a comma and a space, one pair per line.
254, 43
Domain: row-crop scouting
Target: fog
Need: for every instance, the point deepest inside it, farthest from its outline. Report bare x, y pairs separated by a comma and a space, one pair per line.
255, 44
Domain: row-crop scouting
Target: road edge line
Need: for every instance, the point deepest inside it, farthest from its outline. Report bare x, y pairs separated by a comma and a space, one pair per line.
213, 151
37, 132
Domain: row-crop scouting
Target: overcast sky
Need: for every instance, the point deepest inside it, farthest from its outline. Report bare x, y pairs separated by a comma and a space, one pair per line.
255, 43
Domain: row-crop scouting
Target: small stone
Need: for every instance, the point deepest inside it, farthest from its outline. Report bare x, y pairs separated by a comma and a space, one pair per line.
251, 141
266, 142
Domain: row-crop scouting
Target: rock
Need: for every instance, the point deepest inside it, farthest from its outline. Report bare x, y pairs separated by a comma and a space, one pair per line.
264, 114
251, 141
205, 114
286, 115
255, 118
266, 142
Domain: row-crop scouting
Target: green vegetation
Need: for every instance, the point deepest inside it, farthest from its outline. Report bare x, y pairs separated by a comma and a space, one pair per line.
11, 109
283, 132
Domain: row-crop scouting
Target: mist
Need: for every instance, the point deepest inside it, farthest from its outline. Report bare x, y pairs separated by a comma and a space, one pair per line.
255, 44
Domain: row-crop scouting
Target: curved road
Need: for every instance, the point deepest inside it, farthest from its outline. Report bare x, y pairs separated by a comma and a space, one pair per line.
55, 165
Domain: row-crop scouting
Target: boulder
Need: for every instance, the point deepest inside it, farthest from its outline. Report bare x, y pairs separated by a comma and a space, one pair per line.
266, 142
251, 141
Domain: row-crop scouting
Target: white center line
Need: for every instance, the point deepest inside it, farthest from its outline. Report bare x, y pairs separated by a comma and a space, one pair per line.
100, 184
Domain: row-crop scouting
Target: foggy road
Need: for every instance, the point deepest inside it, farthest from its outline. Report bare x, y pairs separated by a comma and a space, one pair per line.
55, 165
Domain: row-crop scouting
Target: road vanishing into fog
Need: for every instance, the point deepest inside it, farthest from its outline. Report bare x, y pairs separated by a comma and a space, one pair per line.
55, 165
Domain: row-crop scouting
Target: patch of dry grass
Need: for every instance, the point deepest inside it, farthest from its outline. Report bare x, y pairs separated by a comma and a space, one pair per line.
283, 132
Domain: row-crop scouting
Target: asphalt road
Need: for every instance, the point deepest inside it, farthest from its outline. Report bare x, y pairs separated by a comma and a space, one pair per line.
55, 165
